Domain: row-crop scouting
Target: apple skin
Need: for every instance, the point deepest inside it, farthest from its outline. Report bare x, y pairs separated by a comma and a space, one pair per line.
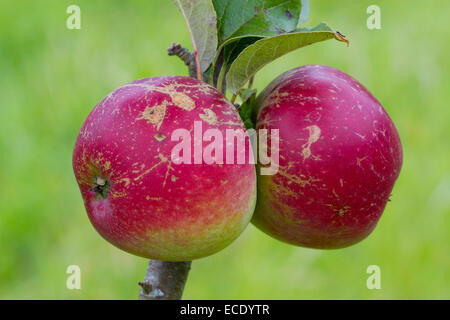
136, 197
339, 157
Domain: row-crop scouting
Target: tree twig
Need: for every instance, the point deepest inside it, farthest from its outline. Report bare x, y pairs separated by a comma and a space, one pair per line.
164, 280
186, 56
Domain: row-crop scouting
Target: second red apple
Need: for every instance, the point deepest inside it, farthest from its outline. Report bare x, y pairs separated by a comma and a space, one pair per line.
339, 157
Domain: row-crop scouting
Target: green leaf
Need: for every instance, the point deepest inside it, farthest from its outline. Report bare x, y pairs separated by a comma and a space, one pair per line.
242, 23
238, 18
304, 15
264, 51
233, 49
248, 97
201, 21
247, 94
229, 51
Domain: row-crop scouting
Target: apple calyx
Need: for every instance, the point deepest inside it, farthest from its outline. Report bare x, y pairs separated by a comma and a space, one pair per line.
101, 187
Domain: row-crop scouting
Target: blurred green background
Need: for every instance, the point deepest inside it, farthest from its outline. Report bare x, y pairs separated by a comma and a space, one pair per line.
51, 78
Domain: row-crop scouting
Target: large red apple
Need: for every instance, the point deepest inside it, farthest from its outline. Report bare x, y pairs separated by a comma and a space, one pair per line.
137, 196
339, 157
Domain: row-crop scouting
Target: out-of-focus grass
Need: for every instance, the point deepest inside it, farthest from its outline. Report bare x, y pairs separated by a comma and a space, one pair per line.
51, 77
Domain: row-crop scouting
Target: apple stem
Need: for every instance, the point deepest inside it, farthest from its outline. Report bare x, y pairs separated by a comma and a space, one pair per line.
250, 82
197, 65
164, 280
233, 99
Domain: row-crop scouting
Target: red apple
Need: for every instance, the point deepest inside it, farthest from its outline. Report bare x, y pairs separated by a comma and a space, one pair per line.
339, 157
135, 194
